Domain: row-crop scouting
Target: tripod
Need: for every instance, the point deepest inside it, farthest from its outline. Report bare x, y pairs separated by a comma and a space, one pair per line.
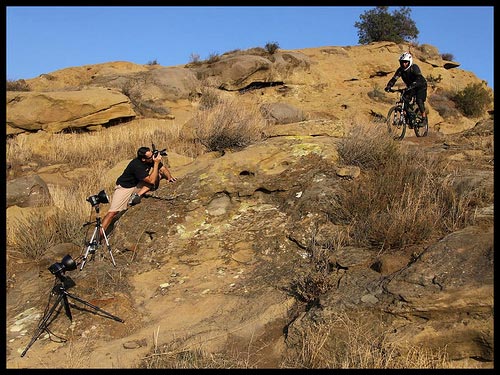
95, 240
59, 290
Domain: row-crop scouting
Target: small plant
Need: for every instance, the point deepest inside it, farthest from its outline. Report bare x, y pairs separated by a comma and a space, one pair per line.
447, 56
308, 288
272, 47
194, 58
379, 95
153, 62
213, 57
472, 100
17, 85
432, 81
209, 98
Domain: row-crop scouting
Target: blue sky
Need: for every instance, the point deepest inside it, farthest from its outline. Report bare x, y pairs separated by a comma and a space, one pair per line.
48, 38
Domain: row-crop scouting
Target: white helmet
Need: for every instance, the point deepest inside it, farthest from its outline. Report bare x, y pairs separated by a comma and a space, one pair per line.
406, 57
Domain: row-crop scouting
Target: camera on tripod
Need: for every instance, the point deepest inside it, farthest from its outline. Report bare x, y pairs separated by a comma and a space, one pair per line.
156, 152
67, 264
100, 197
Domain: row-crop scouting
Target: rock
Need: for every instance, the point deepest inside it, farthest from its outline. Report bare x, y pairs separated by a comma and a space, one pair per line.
59, 110
28, 191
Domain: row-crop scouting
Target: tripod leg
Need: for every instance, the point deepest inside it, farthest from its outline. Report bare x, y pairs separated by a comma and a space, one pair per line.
66, 306
43, 324
88, 304
90, 249
109, 247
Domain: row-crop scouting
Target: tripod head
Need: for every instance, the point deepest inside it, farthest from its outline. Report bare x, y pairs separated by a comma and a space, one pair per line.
100, 197
65, 282
67, 264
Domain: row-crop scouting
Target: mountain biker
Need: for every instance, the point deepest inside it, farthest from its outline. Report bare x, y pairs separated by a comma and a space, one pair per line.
415, 82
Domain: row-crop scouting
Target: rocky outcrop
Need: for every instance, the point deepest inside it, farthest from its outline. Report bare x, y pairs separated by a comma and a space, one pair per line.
350, 77
59, 110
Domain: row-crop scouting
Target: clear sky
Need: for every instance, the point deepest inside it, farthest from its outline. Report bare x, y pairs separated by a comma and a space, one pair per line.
48, 38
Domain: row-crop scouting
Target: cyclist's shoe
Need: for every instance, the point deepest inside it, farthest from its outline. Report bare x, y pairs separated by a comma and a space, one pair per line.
421, 121
134, 199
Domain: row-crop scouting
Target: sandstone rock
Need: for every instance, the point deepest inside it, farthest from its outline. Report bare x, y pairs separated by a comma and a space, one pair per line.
281, 113
55, 111
28, 191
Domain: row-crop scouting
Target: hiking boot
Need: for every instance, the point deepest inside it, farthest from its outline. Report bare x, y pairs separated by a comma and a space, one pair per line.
134, 199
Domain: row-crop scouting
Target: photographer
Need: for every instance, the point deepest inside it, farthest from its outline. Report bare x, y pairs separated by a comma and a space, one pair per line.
141, 175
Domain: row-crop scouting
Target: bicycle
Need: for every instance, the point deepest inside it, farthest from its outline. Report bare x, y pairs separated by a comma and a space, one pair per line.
403, 115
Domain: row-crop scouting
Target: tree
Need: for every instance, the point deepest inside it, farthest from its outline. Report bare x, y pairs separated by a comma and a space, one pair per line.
378, 25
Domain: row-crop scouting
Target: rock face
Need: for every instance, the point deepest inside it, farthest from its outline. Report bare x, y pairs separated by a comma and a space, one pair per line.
56, 111
209, 261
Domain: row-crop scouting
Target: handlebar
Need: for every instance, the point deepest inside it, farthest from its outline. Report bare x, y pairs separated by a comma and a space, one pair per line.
396, 90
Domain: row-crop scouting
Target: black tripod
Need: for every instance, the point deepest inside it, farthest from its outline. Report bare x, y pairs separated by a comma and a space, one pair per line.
62, 295
95, 240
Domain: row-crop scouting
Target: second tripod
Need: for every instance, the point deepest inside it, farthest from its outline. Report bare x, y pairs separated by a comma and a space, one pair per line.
96, 240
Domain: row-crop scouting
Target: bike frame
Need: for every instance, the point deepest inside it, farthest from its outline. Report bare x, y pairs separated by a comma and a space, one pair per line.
403, 115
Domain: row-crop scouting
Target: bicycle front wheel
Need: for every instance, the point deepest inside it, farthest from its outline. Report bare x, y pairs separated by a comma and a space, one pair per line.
396, 124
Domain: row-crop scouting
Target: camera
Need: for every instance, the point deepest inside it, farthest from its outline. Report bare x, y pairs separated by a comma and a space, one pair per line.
100, 197
156, 152
67, 264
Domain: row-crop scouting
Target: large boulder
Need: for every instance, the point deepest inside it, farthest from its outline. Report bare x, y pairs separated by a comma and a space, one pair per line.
59, 110
28, 191
236, 72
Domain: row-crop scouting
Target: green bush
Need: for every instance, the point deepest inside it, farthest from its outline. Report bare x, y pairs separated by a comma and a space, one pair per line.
447, 56
272, 47
472, 100
378, 25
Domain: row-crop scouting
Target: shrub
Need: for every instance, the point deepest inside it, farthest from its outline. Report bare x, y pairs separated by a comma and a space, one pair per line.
194, 58
213, 57
272, 47
447, 56
209, 98
472, 100
379, 95
404, 197
378, 25
19, 85
432, 81
228, 125
446, 108
153, 62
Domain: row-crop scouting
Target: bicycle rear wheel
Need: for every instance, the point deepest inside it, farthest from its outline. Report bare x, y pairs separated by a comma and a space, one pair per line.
396, 124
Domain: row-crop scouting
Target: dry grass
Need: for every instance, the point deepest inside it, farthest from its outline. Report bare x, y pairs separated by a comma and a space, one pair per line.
224, 125
228, 124
339, 341
347, 341
175, 355
404, 196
